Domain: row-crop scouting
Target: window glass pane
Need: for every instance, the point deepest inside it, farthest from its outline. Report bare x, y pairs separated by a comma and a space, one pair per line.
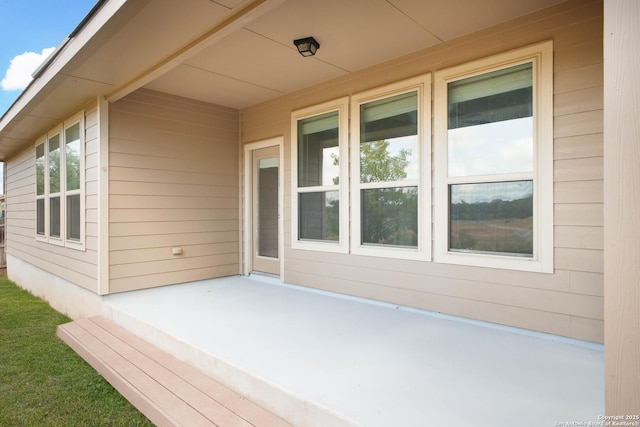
72, 133
390, 216
319, 215
318, 152
505, 94
491, 123
54, 164
54, 214
492, 217
72, 152
389, 139
40, 216
268, 207
73, 217
389, 160
40, 171
493, 148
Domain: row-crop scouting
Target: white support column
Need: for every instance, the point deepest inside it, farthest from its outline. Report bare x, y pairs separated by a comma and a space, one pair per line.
103, 196
622, 206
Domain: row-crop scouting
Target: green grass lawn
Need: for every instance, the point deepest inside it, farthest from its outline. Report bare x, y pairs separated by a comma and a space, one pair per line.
42, 381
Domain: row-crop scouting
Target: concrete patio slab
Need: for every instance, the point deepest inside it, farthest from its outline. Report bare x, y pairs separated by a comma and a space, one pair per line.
316, 358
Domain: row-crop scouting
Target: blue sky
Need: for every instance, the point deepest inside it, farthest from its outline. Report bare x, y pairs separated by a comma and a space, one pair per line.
29, 30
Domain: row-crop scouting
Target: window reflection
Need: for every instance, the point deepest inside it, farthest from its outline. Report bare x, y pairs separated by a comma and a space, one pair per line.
389, 160
389, 139
319, 215
54, 212
494, 148
40, 170
390, 216
500, 95
73, 217
491, 123
492, 217
72, 153
54, 164
318, 152
40, 216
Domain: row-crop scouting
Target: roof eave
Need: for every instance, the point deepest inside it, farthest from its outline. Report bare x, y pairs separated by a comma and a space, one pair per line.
43, 77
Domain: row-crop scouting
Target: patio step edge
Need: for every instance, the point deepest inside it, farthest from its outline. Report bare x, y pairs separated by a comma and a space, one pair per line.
289, 406
166, 390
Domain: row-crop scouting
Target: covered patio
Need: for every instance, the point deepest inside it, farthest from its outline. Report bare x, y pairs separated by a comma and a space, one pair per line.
317, 359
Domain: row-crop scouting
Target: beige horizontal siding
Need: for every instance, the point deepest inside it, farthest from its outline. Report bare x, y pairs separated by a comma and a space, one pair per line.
75, 266
579, 191
579, 237
575, 147
136, 242
170, 278
569, 301
151, 254
173, 183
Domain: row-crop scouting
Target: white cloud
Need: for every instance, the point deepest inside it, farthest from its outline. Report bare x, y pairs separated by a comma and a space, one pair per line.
22, 66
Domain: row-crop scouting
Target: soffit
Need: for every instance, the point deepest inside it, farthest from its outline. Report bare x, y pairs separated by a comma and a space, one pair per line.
259, 62
141, 38
252, 61
454, 18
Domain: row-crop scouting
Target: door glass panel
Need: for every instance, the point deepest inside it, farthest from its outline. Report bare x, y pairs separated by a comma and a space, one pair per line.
268, 207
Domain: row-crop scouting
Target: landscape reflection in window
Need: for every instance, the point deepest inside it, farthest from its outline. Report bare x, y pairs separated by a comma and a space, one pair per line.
492, 217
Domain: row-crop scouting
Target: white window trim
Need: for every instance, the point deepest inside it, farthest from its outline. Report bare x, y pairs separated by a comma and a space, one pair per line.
63, 240
542, 261
422, 84
341, 105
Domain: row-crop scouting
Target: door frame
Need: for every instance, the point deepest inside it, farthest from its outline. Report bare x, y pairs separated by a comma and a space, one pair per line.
247, 239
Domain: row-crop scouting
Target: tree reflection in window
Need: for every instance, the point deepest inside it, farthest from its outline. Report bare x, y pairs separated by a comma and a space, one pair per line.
389, 215
389, 171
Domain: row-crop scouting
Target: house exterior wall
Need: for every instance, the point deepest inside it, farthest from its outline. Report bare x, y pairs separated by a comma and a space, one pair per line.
71, 265
173, 183
568, 302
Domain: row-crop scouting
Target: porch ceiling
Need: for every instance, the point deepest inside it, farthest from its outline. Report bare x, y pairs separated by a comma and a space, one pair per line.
232, 52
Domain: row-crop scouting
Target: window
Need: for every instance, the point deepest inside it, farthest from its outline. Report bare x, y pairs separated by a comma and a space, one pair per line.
390, 203
494, 202
53, 156
319, 177
73, 178
40, 194
59, 185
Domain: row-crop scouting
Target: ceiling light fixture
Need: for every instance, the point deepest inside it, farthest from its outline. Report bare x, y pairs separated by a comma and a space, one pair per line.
307, 46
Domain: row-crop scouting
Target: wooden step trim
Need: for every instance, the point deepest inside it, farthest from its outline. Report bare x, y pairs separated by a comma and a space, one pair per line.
166, 390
